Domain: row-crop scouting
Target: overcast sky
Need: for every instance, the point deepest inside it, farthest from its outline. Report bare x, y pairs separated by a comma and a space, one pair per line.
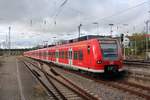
35, 21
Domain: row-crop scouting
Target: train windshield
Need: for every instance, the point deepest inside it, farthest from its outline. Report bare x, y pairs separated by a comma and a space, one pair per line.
109, 49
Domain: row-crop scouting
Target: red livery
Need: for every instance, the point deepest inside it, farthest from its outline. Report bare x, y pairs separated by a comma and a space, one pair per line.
94, 55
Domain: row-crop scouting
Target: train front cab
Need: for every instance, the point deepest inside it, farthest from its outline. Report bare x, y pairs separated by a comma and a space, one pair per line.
110, 56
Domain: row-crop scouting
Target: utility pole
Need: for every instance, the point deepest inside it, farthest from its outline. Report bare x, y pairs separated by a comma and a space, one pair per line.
124, 41
79, 29
6, 44
97, 27
135, 48
9, 42
111, 29
146, 37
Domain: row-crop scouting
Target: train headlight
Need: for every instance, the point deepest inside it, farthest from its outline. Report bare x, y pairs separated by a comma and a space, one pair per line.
99, 61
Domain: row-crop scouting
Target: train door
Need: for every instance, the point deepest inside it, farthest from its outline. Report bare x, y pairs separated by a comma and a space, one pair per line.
57, 55
70, 56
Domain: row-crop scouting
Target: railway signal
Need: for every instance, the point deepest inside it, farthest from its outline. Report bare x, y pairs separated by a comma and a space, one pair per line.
126, 42
122, 37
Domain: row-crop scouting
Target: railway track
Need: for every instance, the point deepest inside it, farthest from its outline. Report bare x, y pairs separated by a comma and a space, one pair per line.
138, 69
137, 62
57, 86
125, 86
129, 73
132, 88
140, 72
138, 75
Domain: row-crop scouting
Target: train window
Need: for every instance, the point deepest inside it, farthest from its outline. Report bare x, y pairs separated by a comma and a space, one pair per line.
49, 54
80, 55
75, 55
62, 54
44, 53
66, 55
109, 49
88, 49
57, 54
40, 54
54, 54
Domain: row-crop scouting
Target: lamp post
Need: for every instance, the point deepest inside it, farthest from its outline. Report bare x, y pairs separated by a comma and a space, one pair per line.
126, 26
147, 30
6, 43
54, 40
111, 25
9, 42
79, 28
97, 27
45, 43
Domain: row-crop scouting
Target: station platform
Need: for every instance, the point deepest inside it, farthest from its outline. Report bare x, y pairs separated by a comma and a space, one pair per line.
17, 83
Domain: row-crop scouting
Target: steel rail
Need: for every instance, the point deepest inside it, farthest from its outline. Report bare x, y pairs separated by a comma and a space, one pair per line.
113, 84
41, 82
73, 88
110, 83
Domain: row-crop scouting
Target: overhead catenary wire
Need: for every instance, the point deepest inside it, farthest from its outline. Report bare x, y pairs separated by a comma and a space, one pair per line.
60, 8
116, 14
107, 17
120, 12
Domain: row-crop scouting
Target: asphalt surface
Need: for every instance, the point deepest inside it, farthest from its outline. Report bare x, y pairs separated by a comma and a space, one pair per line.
17, 83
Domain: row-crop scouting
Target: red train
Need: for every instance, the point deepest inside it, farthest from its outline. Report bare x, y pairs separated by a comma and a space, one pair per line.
96, 55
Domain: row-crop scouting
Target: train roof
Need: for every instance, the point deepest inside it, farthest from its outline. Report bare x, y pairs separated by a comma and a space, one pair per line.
88, 37
83, 38
76, 40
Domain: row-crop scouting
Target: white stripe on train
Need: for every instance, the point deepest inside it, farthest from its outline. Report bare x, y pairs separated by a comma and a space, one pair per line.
78, 67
